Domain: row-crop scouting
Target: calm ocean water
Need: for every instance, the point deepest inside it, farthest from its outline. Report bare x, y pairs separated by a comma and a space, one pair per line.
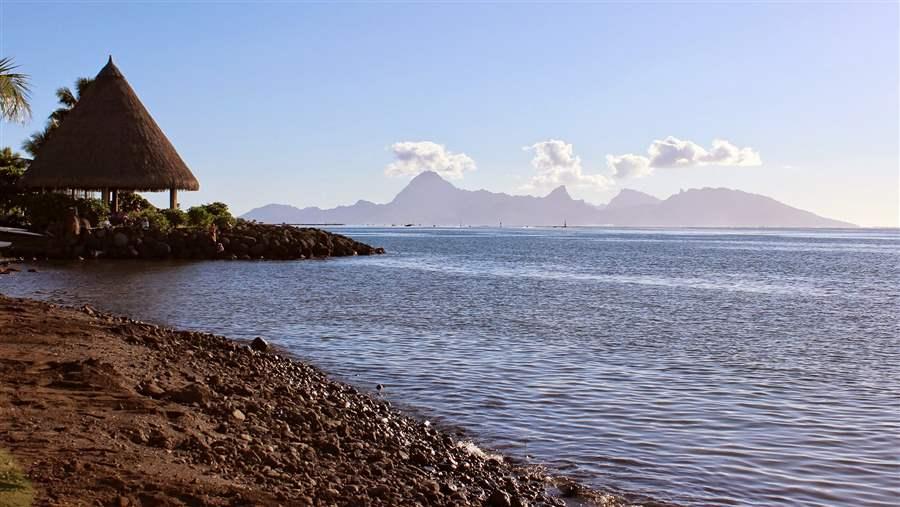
706, 367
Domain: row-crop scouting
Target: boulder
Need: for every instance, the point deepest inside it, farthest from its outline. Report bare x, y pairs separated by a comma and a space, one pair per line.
192, 393
244, 241
499, 498
120, 240
258, 249
162, 249
259, 344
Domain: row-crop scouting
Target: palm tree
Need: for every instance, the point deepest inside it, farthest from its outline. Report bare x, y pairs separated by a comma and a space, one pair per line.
12, 167
34, 143
67, 99
11, 159
14, 92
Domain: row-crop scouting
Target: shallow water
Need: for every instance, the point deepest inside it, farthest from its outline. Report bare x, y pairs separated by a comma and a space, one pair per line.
699, 366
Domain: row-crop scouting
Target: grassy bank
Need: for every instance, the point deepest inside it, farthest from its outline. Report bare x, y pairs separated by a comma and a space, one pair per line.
15, 488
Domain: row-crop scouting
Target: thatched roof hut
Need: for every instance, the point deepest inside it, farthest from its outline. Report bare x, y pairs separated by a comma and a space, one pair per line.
109, 142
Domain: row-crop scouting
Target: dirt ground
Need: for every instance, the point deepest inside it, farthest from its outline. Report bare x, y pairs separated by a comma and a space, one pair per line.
102, 410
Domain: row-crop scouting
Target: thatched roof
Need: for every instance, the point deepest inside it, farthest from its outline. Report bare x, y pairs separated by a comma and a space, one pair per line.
109, 140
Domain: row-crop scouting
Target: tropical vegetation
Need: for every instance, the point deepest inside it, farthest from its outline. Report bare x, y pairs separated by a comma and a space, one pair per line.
12, 167
39, 210
15, 488
14, 92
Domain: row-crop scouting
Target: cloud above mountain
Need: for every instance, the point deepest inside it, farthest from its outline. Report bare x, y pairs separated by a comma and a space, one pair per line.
414, 157
628, 166
672, 152
556, 164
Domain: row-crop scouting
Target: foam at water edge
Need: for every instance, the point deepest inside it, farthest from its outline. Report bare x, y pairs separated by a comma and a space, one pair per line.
474, 450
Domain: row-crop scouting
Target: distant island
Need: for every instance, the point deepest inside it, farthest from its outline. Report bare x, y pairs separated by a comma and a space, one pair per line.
430, 200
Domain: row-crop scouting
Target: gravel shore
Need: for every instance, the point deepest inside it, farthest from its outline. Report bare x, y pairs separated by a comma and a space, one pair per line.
103, 410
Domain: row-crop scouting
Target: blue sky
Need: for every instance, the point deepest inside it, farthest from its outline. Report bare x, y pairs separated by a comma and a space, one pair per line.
309, 104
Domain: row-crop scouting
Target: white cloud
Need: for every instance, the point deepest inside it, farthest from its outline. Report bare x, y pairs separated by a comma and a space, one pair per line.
628, 166
673, 152
557, 164
726, 154
414, 157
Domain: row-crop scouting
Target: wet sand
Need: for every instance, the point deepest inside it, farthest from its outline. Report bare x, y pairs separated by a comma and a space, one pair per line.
98, 409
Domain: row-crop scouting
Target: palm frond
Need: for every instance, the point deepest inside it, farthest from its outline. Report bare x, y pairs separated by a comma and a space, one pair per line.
14, 92
82, 83
57, 116
34, 143
65, 97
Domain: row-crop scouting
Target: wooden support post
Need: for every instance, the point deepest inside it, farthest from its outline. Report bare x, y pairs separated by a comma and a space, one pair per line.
104, 196
114, 207
173, 198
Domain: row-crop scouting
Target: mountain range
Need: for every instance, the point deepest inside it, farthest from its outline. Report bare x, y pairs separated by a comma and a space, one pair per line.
428, 199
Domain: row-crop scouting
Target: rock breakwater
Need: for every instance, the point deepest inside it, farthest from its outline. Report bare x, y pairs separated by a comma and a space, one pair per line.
244, 240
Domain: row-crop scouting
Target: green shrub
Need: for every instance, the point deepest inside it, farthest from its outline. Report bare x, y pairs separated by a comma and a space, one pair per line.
92, 209
15, 488
217, 209
176, 217
43, 209
130, 202
9, 176
155, 218
198, 216
212, 213
12, 167
221, 216
224, 222
13, 216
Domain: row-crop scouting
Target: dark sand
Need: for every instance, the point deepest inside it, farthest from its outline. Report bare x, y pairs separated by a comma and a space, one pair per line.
103, 410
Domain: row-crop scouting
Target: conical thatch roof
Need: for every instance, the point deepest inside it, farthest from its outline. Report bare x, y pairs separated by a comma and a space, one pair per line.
109, 140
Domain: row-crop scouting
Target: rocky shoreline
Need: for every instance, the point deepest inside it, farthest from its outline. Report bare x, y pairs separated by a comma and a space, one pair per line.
103, 410
241, 241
